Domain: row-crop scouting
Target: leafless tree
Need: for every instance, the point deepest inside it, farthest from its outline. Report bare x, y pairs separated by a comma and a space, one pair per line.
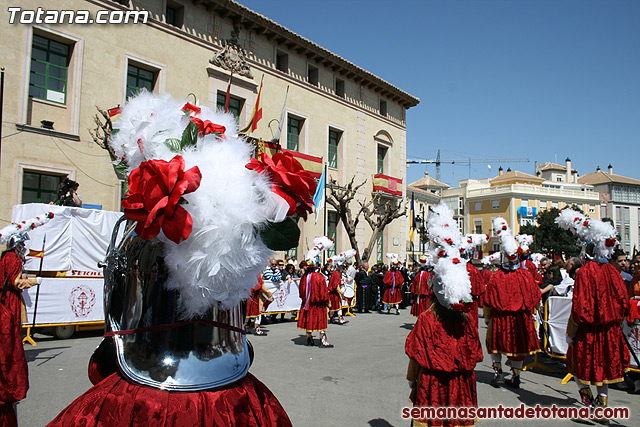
378, 211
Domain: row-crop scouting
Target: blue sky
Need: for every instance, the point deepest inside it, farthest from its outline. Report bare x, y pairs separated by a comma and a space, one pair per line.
536, 79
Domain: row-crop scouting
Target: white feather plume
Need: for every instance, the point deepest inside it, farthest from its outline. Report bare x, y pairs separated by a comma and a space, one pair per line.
502, 230
220, 259
525, 241
451, 283
602, 234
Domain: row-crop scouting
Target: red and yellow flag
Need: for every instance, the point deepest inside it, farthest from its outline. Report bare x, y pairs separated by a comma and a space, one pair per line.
36, 254
256, 115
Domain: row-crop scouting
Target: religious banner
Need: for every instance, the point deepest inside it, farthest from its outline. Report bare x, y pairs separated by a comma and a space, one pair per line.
285, 296
64, 301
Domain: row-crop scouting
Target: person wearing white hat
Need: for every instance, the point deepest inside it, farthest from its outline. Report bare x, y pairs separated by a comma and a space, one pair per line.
420, 287
509, 302
597, 354
315, 301
14, 375
393, 281
444, 346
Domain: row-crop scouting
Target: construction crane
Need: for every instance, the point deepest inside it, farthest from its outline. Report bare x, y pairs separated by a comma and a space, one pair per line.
466, 162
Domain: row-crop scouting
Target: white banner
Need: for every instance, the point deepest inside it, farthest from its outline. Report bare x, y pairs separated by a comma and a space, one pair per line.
77, 238
285, 296
633, 336
559, 312
66, 301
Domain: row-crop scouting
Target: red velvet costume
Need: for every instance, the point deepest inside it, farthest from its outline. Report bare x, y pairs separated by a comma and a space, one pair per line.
334, 284
421, 290
448, 353
14, 377
116, 402
531, 267
253, 303
315, 297
486, 276
478, 289
393, 287
512, 296
598, 354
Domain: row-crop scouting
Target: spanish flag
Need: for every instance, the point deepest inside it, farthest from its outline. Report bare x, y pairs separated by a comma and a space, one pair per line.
257, 113
36, 254
114, 113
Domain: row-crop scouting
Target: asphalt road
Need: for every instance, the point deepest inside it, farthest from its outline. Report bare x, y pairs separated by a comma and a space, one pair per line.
358, 382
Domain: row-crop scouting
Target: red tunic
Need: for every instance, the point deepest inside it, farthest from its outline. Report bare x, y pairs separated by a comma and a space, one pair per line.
393, 287
598, 354
531, 267
334, 284
253, 303
512, 294
14, 376
478, 289
116, 402
448, 353
315, 296
486, 276
421, 290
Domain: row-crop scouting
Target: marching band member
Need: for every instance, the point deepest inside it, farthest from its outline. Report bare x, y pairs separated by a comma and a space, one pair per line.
508, 306
444, 346
597, 354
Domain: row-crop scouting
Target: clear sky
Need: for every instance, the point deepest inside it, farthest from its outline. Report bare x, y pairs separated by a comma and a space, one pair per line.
536, 79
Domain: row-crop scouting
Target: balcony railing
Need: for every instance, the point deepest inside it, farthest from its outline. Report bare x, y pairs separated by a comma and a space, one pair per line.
535, 190
387, 185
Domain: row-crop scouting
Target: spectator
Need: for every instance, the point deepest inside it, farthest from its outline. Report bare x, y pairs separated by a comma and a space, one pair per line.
565, 287
363, 288
619, 261
551, 278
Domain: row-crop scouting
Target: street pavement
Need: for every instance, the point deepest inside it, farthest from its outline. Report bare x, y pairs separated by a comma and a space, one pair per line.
358, 382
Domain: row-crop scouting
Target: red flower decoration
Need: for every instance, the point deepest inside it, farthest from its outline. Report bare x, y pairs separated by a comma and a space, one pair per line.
504, 227
206, 127
191, 108
290, 181
448, 240
469, 240
576, 219
498, 232
441, 254
586, 223
155, 190
462, 307
456, 260
487, 236
610, 242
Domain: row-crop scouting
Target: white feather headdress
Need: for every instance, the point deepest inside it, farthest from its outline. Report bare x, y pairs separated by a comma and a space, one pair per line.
451, 283
602, 234
502, 230
525, 241
493, 259
392, 257
25, 226
223, 252
471, 241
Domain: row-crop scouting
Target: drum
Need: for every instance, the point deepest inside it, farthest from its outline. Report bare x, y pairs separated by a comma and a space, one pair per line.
349, 292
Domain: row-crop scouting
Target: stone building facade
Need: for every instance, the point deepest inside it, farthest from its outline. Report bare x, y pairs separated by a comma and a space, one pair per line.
57, 73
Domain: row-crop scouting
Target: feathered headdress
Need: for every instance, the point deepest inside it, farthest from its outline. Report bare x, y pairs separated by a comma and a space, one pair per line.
600, 233
25, 226
194, 186
392, 257
320, 244
471, 241
425, 260
536, 257
336, 260
524, 241
451, 283
348, 255
509, 244
493, 259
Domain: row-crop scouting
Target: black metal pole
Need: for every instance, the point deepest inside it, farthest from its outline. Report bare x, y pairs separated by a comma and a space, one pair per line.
1, 108
35, 306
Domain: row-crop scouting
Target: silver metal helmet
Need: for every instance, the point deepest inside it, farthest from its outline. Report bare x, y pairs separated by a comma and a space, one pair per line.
154, 346
17, 242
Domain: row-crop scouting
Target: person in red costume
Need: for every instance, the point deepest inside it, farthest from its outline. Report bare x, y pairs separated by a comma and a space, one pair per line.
393, 281
335, 291
420, 288
524, 252
315, 300
478, 285
14, 375
444, 346
509, 302
257, 302
597, 354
